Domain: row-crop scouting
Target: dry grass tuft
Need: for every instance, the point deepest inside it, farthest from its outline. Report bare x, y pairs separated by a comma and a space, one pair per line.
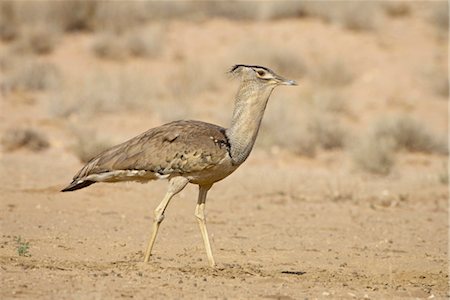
109, 46
186, 83
142, 43
410, 135
439, 15
352, 15
396, 9
17, 138
374, 155
31, 76
89, 144
145, 43
333, 74
106, 92
9, 29
39, 39
327, 131
302, 131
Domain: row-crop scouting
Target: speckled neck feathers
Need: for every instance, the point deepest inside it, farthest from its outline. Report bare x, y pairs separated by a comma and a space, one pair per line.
250, 104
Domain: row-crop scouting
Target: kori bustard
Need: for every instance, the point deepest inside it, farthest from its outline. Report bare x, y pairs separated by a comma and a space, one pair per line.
188, 151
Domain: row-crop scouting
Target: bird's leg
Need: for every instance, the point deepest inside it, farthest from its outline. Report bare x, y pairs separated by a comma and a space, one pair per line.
176, 184
200, 214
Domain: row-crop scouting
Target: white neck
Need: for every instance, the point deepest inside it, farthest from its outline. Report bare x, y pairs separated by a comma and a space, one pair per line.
250, 104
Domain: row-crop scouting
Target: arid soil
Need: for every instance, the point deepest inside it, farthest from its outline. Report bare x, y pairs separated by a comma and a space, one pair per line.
283, 226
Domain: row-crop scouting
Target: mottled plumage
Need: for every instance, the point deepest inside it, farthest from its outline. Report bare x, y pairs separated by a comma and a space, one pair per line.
188, 151
180, 147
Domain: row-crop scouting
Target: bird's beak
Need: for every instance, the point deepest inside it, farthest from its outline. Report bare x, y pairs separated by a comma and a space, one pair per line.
284, 81
289, 82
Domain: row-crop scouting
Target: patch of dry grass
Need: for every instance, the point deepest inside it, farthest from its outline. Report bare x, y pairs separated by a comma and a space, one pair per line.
26, 138
374, 155
108, 92
39, 39
334, 73
352, 15
302, 129
30, 75
327, 131
109, 46
375, 152
411, 135
9, 28
89, 144
143, 43
396, 9
439, 15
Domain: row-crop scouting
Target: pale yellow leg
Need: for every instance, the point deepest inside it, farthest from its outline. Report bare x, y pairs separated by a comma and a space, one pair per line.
176, 184
200, 214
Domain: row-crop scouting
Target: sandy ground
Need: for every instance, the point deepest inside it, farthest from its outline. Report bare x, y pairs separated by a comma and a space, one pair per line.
282, 227
309, 234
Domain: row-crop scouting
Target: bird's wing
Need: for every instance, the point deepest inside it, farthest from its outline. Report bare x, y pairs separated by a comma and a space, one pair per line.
179, 147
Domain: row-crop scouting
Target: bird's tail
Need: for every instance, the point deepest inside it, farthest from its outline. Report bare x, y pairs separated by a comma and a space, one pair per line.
76, 185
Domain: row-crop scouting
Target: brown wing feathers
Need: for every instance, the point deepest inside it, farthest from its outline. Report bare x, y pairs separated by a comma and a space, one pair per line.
177, 147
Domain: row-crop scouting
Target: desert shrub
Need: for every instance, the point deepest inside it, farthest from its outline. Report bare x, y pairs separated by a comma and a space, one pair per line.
437, 76
32, 76
109, 46
39, 39
9, 28
374, 155
353, 15
120, 16
302, 130
145, 43
26, 138
329, 100
332, 73
439, 15
88, 144
193, 78
105, 92
443, 173
410, 135
396, 9
327, 131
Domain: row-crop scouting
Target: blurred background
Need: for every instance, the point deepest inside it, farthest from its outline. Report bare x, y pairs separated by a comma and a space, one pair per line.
79, 76
347, 180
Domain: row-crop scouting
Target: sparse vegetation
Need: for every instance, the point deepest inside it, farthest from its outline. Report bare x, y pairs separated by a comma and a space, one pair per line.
31, 76
439, 15
22, 247
397, 9
327, 131
408, 134
376, 151
333, 74
27, 138
39, 39
443, 176
374, 155
113, 46
9, 29
88, 144
109, 46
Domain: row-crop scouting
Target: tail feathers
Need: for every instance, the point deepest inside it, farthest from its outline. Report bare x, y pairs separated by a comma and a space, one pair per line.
76, 185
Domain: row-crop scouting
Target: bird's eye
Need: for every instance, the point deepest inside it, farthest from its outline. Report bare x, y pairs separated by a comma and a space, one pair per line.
261, 73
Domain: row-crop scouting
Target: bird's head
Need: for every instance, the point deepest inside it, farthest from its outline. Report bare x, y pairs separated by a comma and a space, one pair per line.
259, 75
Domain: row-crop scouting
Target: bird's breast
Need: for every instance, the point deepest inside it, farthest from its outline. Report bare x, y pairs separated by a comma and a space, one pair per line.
213, 174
